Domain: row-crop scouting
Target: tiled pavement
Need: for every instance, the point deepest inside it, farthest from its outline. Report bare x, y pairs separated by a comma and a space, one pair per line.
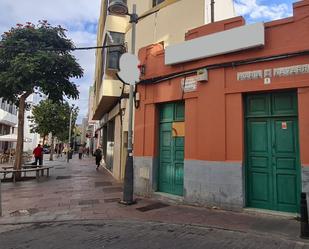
135, 235
76, 191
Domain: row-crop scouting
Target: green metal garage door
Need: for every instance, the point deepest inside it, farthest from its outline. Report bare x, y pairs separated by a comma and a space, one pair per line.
171, 149
273, 167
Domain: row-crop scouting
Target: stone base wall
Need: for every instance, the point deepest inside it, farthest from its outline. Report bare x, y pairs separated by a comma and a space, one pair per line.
218, 184
305, 179
206, 183
145, 175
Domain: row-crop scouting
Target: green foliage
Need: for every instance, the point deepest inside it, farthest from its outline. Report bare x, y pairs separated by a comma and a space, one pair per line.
37, 58
54, 117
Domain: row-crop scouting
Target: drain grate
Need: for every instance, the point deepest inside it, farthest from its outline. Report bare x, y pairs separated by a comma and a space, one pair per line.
153, 206
111, 200
112, 190
88, 202
102, 184
24, 212
63, 177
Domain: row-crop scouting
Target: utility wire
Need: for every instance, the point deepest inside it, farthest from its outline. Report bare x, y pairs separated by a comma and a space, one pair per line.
98, 47
73, 49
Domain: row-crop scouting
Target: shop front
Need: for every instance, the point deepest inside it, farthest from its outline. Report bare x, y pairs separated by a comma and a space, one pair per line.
229, 126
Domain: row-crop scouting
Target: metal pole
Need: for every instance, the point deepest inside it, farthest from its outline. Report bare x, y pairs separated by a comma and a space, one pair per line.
212, 5
128, 177
69, 144
0, 200
304, 226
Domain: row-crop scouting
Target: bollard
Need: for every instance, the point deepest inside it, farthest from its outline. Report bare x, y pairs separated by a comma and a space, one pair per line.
304, 227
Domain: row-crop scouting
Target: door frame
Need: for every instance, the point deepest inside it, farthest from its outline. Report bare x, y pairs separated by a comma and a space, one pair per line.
158, 140
245, 132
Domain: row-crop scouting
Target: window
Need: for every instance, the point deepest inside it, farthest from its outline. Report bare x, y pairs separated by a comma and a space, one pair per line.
114, 53
3, 105
156, 2
11, 108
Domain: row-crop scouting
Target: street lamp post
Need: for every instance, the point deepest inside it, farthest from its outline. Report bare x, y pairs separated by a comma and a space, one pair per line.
69, 144
119, 7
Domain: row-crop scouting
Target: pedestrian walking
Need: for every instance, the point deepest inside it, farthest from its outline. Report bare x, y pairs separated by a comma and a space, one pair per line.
80, 152
65, 150
98, 157
38, 155
60, 150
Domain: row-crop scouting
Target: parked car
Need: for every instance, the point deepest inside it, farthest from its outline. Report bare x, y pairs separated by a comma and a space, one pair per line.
46, 150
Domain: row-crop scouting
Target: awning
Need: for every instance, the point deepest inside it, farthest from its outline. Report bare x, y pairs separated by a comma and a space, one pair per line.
13, 138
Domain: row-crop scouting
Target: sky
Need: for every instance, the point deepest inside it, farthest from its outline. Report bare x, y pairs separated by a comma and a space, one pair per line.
80, 17
263, 10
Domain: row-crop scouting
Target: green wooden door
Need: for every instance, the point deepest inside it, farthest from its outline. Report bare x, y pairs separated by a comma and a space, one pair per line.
273, 167
171, 150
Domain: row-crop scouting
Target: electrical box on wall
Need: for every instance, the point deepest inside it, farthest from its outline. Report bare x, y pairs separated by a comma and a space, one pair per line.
123, 104
202, 75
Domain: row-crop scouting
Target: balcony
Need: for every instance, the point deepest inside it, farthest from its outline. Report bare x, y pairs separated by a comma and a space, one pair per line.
108, 96
7, 118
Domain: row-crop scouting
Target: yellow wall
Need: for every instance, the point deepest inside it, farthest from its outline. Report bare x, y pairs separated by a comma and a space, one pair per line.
171, 20
169, 24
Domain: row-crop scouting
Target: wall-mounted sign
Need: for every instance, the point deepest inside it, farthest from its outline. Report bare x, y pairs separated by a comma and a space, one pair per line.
267, 81
276, 72
250, 75
284, 125
293, 70
223, 42
178, 129
189, 84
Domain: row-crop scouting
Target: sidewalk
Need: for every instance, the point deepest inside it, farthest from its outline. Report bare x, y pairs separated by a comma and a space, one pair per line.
76, 191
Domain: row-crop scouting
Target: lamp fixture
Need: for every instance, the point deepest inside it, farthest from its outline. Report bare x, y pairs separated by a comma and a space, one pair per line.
118, 7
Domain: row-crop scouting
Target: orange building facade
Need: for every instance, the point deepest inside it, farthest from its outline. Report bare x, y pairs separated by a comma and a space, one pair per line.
229, 130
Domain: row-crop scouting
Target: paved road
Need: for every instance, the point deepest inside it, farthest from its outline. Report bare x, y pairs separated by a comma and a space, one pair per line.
135, 235
77, 191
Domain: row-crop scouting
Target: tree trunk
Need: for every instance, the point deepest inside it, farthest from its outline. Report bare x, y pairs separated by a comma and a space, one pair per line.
43, 143
20, 133
51, 156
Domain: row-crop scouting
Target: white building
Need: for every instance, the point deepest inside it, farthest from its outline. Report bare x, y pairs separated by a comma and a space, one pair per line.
8, 122
32, 139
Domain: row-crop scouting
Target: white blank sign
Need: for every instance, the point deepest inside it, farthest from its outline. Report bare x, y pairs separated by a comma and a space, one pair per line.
236, 39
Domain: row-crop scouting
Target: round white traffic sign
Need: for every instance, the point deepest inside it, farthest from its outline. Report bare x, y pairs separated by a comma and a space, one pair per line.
129, 71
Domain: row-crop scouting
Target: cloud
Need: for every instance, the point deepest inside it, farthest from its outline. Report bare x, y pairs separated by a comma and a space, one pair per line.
254, 10
79, 17
58, 11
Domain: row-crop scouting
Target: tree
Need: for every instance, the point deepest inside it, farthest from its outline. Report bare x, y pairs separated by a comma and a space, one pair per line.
36, 59
53, 117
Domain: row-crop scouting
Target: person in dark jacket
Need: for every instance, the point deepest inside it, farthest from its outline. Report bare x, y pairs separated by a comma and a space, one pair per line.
98, 157
80, 152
